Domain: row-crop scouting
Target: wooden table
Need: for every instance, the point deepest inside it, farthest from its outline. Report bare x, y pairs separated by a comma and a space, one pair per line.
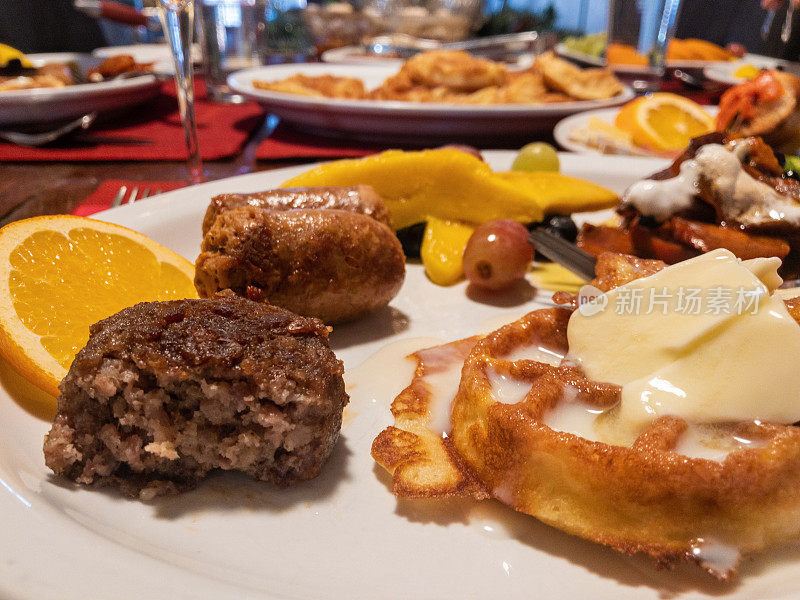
43, 188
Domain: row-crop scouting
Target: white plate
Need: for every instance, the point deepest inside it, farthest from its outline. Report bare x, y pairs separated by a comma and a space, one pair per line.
400, 121
355, 55
588, 59
48, 105
565, 126
724, 72
158, 54
342, 535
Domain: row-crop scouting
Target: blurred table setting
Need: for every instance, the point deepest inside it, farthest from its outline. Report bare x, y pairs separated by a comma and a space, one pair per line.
60, 143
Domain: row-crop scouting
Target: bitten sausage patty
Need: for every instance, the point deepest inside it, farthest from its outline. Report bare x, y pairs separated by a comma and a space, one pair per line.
361, 199
331, 264
164, 392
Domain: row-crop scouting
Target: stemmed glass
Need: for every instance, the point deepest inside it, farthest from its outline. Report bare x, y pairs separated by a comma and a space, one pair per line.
177, 18
643, 28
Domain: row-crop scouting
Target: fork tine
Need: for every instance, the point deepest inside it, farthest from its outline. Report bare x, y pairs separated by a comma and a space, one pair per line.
157, 191
132, 197
565, 253
145, 194
119, 196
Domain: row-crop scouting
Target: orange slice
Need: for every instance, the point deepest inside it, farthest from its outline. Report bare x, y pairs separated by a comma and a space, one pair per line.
664, 122
60, 274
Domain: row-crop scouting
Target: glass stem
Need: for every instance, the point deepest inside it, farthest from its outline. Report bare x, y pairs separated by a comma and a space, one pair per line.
177, 18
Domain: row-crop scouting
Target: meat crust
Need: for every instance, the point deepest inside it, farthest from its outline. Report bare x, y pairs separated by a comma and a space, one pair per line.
164, 392
361, 199
332, 264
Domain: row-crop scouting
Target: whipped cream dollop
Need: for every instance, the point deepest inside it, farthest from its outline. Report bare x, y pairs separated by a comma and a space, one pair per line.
741, 197
707, 341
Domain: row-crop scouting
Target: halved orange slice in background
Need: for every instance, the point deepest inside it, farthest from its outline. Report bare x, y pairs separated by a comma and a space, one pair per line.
664, 122
60, 274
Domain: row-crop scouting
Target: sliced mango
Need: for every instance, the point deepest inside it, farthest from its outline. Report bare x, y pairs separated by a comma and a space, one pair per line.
442, 250
452, 185
561, 194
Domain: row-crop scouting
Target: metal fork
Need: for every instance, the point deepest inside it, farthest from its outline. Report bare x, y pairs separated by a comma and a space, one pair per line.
564, 253
22, 138
123, 197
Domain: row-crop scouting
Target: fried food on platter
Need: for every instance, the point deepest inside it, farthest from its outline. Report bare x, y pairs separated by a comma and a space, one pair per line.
323, 86
10, 84
456, 77
580, 84
400, 87
453, 69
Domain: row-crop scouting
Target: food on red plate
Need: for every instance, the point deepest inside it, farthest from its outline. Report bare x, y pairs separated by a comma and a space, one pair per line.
336, 263
164, 392
766, 106
722, 192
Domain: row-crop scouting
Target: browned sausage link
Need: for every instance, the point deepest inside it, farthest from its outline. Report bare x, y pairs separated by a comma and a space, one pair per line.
331, 264
361, 199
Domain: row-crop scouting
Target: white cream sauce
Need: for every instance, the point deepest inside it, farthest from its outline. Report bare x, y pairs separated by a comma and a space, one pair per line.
385, 374
538, 353
719, 558
507, 389
713, 442
571, 415
742, 198
442, 376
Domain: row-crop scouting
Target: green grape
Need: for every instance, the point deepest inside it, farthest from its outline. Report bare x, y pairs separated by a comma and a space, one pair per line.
536, 156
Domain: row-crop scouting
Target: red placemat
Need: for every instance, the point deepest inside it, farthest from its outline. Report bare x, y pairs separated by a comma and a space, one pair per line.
286, 142
152, 131
102, 197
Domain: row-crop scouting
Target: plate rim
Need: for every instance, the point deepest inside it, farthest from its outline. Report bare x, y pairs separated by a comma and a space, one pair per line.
149, 209
561, 131
241, 82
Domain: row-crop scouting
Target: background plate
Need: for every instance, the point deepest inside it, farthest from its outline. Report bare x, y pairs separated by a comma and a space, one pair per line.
724, 72
400, 121
342, 535
50, 105
588, 59
563, 128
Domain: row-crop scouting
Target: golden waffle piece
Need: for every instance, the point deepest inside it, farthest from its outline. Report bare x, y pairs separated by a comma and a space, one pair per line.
527, 431
646, 497
419, 458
